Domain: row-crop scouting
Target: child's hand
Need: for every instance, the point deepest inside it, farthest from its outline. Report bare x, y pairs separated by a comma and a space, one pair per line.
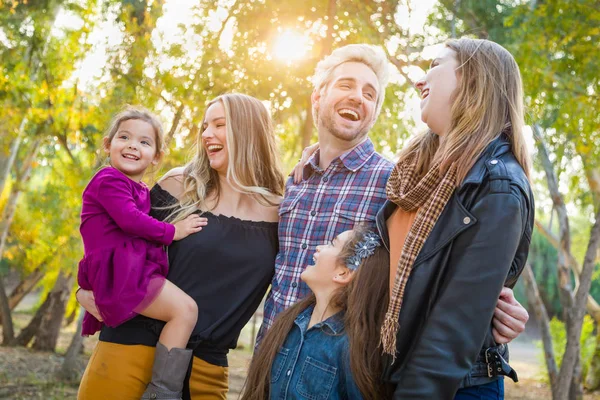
192, 224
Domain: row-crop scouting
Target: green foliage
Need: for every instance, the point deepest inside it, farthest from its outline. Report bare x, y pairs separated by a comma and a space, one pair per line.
543, 258
41, 96
559, 342
226, 46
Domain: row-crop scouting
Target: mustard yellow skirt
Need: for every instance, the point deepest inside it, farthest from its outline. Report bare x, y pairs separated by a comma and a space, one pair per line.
117, 371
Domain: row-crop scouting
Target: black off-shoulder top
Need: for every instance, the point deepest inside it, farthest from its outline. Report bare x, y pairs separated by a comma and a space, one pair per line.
227, 268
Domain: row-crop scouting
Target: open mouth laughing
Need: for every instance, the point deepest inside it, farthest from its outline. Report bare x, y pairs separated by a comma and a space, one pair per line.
130, 157
214, 148
349, 114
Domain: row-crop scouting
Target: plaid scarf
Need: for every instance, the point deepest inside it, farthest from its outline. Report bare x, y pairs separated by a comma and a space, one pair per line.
429, 195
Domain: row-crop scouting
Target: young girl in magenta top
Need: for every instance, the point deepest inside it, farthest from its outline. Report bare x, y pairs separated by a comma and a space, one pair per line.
125, 263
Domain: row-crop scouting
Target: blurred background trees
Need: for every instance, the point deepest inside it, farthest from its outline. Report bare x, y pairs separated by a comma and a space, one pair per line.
67, 66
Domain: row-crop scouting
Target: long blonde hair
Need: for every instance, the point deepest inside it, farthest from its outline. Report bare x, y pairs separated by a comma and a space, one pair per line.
488, 102
253, 168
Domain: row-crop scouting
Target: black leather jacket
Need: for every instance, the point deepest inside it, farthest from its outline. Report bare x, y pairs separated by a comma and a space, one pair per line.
479, 243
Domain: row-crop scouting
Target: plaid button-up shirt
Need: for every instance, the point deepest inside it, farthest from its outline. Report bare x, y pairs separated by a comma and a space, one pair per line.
326, 203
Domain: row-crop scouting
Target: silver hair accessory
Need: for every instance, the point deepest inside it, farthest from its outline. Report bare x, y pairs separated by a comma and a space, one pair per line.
363, 249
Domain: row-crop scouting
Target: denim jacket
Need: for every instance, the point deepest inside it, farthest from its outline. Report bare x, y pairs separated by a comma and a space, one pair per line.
314, 363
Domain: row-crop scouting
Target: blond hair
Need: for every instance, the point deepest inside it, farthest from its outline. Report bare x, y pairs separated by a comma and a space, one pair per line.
137, 112
488, 102
372, 56
253, 168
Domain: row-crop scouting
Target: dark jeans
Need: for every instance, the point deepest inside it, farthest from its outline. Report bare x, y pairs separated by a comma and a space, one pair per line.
489, 391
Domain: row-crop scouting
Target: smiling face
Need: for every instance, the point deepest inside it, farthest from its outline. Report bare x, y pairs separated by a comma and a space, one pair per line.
327, 264
346, 108
133, 148
437, 89
214, 137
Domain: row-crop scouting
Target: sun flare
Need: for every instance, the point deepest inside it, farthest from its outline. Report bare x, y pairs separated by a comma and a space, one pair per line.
290, 46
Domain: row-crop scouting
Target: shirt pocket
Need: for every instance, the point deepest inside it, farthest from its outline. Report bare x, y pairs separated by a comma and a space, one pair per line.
316, 380
279, 364
351, 213
289, 202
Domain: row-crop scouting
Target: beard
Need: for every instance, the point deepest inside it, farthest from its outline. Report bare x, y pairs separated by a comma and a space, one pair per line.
327, 120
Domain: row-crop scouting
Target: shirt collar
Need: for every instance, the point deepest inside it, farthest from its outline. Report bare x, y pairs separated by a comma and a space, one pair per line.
335, 323
352, 160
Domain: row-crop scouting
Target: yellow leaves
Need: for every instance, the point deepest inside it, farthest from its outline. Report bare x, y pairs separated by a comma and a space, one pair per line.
14, 5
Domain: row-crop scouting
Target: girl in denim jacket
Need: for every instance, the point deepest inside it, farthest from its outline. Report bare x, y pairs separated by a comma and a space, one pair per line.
327, 345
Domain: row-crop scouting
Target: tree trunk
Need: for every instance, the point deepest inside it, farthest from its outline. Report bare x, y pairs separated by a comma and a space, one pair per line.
535, 300
47, 334
593, 308
8, 332
7, 217
34, 57
23, 288
174, 124
576, 313
44, 314
29, 331
576, 390
70, 370
11, 204
12, 156
70, 318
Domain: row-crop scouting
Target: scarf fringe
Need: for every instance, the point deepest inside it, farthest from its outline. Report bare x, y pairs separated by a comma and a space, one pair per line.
388, 335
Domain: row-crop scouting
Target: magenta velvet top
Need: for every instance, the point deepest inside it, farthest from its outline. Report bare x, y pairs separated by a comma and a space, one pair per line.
124, 263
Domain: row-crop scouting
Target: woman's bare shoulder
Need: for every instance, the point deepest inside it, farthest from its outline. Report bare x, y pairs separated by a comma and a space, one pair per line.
271, 212
172, 181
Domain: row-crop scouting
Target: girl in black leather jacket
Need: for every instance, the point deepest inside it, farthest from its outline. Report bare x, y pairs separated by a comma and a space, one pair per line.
458, 224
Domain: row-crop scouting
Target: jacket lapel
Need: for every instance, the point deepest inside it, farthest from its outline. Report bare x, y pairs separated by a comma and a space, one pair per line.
453, 220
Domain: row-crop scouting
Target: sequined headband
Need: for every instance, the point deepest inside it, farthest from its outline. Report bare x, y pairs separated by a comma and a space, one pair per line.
363, 249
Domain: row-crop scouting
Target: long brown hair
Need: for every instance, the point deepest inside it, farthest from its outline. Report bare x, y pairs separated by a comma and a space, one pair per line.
488, 102
363, 300
254, 166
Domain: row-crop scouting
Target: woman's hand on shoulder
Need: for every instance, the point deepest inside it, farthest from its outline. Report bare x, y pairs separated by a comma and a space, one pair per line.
172, 182
299, 167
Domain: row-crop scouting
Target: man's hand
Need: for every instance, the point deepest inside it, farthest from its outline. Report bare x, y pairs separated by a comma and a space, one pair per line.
509, 317
86, 299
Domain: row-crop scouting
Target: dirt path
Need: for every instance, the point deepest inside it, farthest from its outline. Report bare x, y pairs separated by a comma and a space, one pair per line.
525, 359
28, 375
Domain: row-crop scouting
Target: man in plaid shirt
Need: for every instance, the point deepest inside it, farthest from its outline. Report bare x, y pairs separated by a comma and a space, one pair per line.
343, 183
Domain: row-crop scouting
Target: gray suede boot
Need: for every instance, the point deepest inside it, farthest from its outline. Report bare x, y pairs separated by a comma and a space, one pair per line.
168, 373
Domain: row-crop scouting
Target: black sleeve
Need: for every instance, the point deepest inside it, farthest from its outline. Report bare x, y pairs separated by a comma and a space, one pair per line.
162, 203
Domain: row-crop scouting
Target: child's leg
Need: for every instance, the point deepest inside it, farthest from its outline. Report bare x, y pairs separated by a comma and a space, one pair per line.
171, 359
178, 310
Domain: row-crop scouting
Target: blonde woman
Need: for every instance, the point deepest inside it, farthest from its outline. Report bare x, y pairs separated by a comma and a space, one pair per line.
457, 223
236, 183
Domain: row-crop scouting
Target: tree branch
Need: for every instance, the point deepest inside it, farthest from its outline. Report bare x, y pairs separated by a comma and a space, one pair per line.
592, 306
535, 300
